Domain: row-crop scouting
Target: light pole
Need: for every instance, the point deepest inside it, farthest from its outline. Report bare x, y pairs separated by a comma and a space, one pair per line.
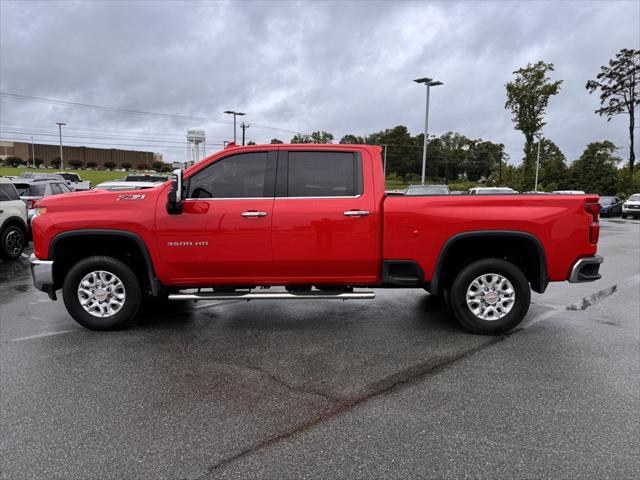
429, 82
535, 186
33, 154
235, 114
60, 124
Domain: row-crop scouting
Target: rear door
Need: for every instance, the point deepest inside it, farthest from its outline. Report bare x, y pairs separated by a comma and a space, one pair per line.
325, 225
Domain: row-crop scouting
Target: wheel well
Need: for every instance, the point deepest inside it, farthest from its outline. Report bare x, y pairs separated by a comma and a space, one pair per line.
15, 221
68, 250
522, 250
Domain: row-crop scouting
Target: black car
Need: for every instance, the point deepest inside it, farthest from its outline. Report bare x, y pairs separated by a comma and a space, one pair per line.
610, 207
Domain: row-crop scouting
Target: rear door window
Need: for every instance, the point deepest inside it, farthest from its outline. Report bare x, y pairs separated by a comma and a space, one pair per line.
321, 174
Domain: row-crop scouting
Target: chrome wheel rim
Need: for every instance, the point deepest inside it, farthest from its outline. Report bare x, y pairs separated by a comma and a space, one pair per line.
101, 294
15, 242
490, 297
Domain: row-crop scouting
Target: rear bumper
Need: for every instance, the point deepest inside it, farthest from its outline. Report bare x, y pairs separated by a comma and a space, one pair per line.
42, 273
586, 269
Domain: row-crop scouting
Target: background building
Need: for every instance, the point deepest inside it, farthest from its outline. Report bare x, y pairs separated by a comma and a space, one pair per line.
78, 157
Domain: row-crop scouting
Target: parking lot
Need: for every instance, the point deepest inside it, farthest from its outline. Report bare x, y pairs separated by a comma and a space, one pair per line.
375, 389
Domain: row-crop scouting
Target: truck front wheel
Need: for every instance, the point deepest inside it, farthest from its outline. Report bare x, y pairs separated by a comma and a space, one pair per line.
490, 296
102, 293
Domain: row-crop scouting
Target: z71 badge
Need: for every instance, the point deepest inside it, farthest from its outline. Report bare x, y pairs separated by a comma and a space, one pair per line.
139, 196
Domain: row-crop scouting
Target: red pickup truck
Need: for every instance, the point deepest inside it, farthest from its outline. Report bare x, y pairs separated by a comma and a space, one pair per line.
316, 220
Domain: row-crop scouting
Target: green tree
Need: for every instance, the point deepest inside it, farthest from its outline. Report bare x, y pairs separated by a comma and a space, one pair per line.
402, 155
596, 170
553, 167
109, 165
301, 138
157, 166
275, 141
527, 97
353, 140
125, 165
482, 157
75, 163
14, 161
321, 137
617, 83
92, 164
55, 162
251, 142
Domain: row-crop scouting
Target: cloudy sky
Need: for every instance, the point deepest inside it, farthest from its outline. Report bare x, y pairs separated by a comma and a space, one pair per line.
344, 67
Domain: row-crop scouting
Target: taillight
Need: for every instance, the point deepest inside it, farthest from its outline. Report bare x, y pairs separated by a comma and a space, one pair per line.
31, 204
593, 209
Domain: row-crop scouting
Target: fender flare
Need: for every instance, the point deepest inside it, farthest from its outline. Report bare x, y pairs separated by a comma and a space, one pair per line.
154, 282
542, 282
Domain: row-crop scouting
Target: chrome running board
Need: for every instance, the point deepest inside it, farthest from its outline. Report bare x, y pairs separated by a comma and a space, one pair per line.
312, 295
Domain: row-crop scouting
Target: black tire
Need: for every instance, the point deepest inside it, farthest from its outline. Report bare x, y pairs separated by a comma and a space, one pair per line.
12, 242
133, 294
476, 324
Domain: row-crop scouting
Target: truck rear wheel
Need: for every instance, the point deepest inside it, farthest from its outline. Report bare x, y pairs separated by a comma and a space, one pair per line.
102, 293
490, 296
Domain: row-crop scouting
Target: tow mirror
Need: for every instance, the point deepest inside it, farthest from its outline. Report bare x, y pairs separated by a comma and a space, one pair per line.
174, 199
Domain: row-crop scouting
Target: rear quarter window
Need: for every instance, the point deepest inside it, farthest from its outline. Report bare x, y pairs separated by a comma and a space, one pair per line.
8, 192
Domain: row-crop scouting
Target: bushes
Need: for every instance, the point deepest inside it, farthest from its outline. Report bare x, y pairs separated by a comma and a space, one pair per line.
143, 166
109, 165
75, 163
92, 164
14, 161
126, 165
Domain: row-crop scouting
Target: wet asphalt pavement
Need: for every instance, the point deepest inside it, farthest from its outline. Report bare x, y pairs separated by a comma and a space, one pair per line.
389, 388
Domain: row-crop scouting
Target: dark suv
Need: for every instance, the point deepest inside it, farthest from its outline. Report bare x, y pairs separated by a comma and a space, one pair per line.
610, 207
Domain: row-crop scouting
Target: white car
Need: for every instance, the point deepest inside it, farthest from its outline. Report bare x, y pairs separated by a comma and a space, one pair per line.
631, 208
13, 221
569, 192
491, 191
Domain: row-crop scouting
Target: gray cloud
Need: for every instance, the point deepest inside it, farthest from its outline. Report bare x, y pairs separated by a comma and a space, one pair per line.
345, 67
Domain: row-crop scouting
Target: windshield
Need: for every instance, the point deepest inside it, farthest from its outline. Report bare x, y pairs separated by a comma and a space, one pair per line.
72, 177
634, 198
30, 189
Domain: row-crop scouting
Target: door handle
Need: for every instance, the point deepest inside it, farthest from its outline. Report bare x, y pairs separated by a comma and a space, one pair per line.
253, 213
356, 213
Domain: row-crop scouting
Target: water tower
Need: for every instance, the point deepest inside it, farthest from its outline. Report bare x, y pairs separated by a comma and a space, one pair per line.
195, 137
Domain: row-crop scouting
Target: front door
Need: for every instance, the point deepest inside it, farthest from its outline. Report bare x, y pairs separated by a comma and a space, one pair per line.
223, 235
325, 223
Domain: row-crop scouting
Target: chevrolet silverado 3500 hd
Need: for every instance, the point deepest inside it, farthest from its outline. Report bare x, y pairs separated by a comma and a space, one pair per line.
314, 219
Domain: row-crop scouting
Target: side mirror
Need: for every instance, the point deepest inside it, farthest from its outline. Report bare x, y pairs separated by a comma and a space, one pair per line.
174, 199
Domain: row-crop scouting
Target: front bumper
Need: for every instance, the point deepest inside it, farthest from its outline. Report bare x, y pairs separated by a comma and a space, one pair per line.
586, 269
42, 274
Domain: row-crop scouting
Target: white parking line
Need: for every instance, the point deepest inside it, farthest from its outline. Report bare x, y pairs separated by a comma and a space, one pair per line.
40, 335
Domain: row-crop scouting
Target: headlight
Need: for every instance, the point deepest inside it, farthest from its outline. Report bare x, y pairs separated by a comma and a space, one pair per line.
40, 211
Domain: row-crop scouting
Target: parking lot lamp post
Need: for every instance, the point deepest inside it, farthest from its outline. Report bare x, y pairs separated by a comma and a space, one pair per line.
535, 186
235, 114
429, 82
60, 124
